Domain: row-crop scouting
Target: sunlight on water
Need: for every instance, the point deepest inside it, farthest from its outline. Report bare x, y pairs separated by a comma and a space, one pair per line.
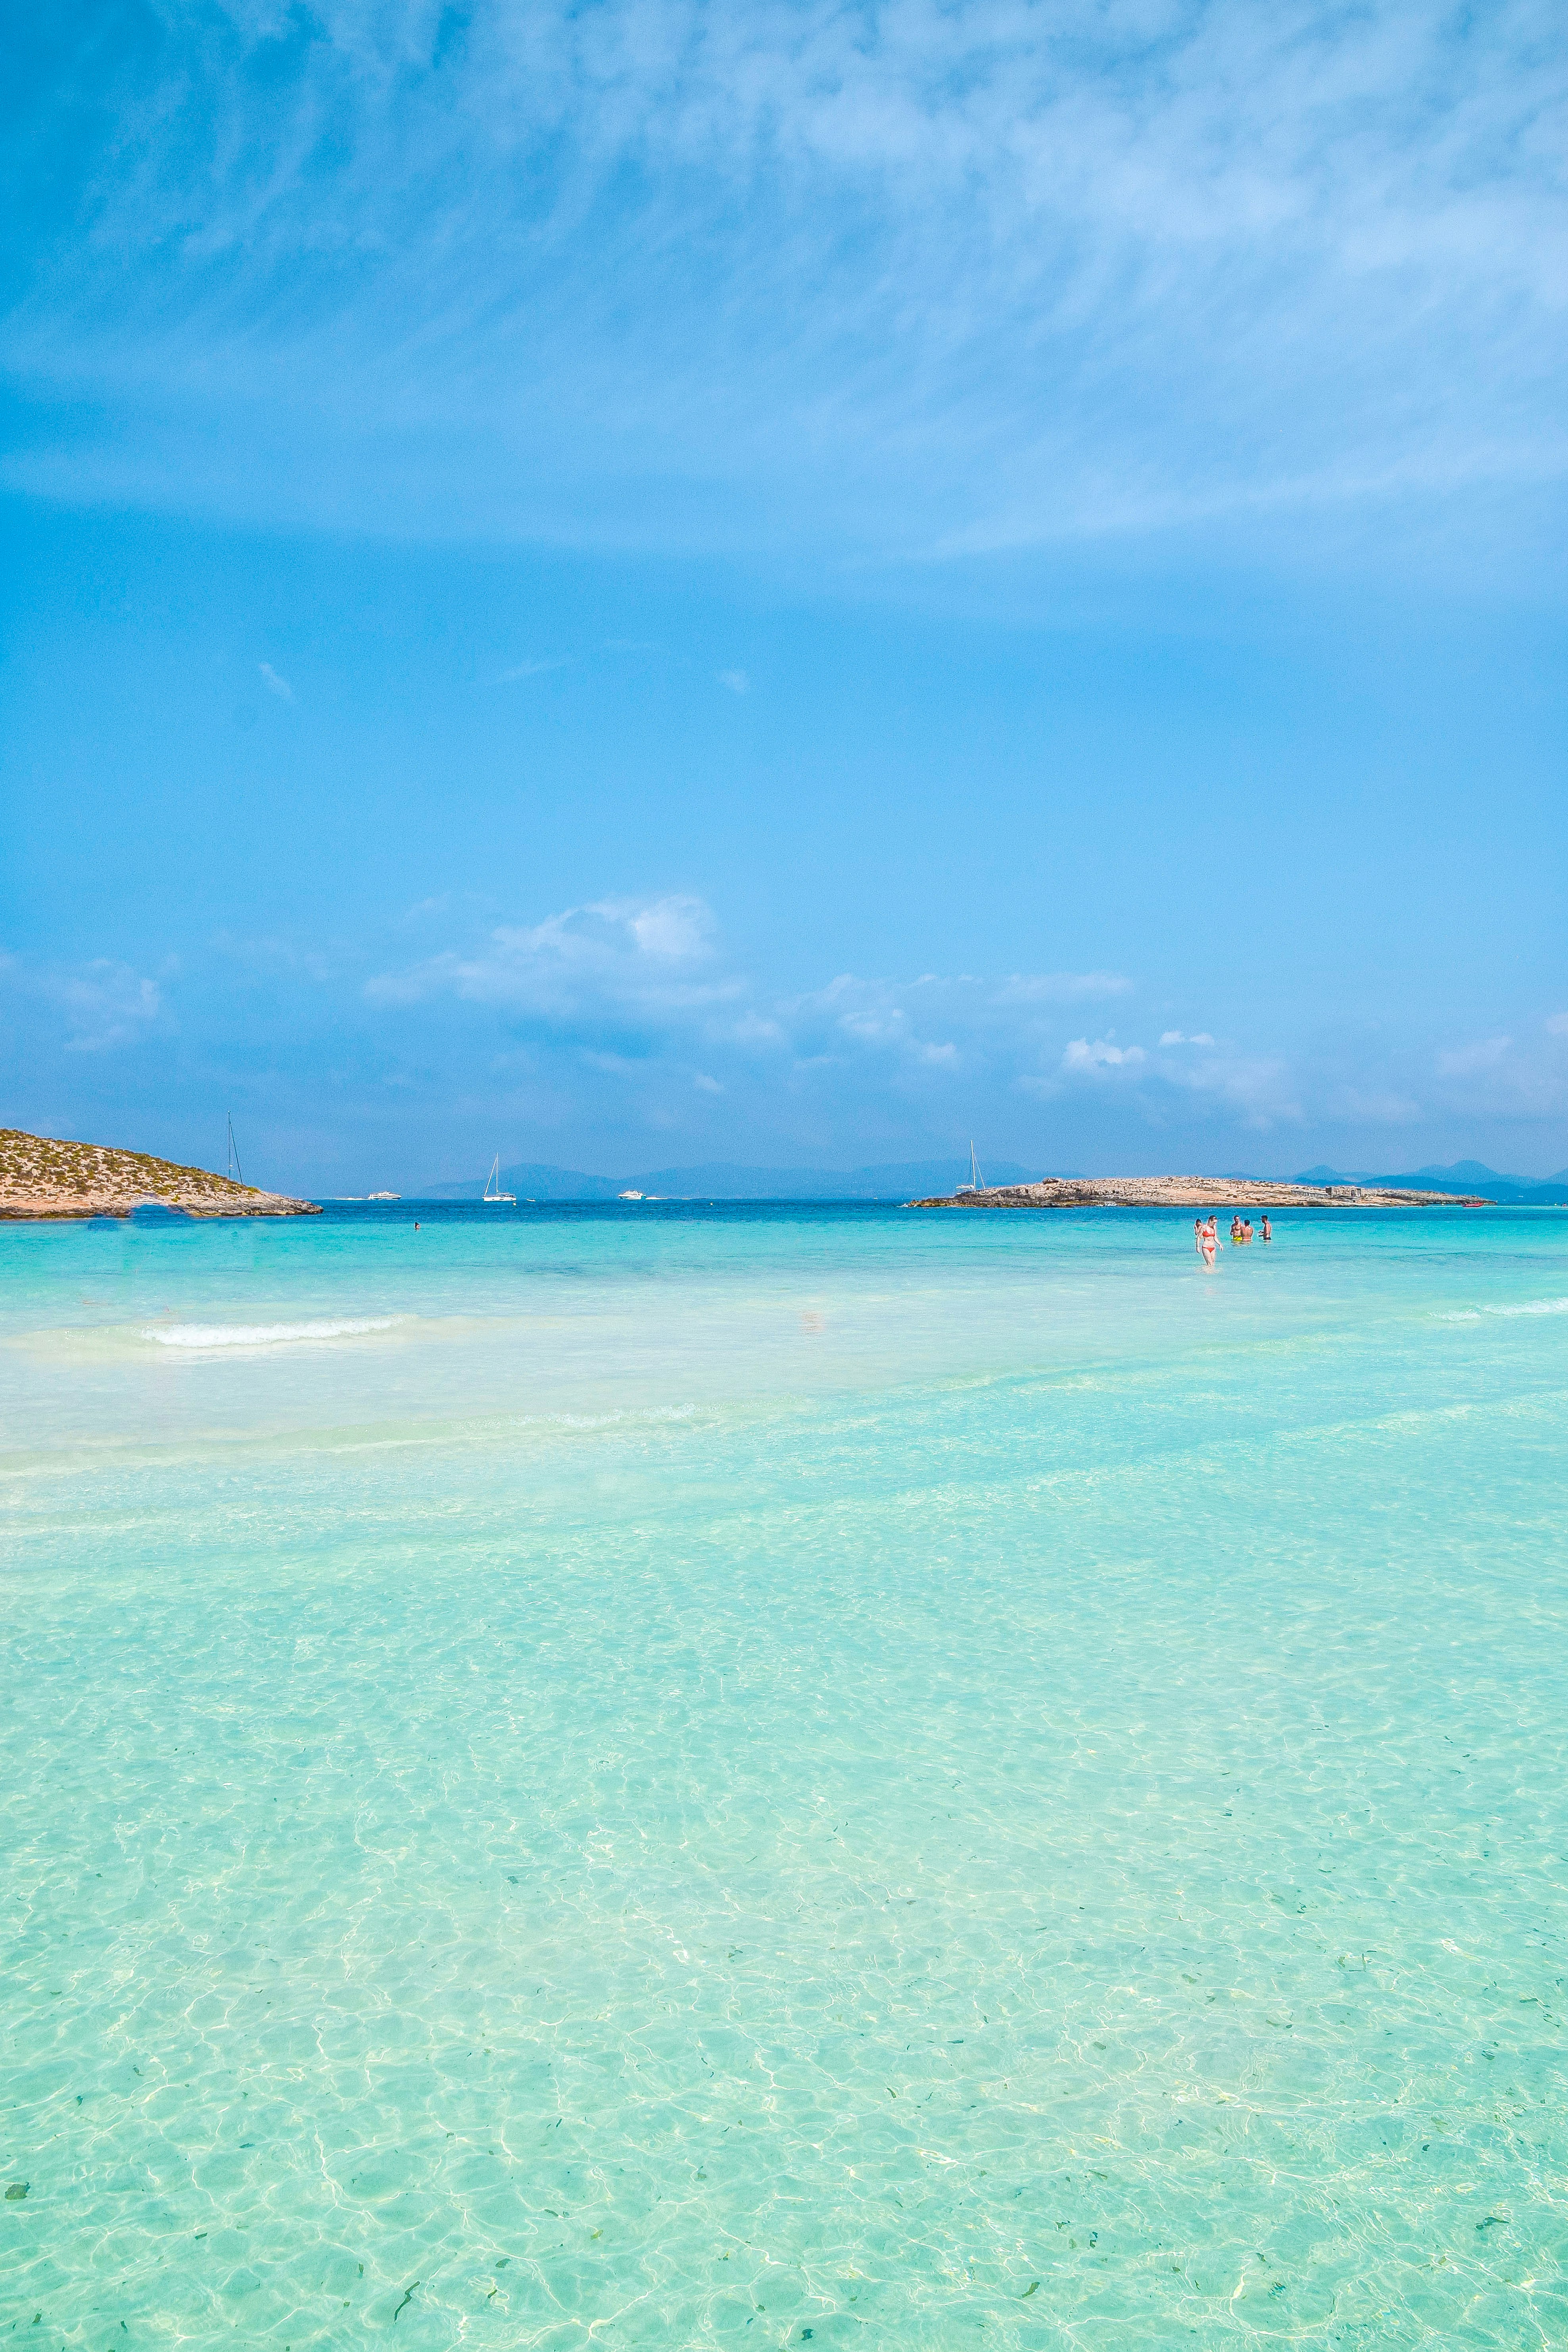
675, 1778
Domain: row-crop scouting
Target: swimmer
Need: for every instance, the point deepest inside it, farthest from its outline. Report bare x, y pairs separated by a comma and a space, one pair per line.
1267, 1229
1235, 1232
1208, 1241
1247, 1229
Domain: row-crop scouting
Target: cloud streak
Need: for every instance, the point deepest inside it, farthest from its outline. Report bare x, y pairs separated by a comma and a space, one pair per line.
890, 279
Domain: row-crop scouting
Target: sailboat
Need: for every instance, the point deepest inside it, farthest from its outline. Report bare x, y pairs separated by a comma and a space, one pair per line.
977, 1180
234, 1171
495, 1198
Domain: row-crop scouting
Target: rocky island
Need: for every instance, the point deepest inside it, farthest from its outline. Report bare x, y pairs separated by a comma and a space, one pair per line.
42, 1176
1191, 1192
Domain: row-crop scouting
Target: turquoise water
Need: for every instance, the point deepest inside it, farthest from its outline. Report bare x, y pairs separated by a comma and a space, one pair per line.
676, 1778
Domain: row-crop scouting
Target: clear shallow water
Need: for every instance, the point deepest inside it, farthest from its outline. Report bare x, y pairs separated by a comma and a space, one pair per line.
678, 1778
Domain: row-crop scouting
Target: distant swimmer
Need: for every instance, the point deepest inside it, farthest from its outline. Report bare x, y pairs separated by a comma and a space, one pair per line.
1267, 1230
1247, 1229
1236, 1231
1208, 1241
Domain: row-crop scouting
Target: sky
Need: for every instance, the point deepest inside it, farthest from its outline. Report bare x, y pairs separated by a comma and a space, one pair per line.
653, 583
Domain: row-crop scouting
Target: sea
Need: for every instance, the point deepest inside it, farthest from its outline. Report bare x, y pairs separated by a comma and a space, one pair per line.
693, 1775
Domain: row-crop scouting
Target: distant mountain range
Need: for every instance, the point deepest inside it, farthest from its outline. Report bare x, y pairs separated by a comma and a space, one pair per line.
1463, 1176
723, 1180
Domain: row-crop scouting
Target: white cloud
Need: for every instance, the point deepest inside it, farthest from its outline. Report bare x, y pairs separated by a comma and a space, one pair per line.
736, 681
1259, 1088
1255, 1087
1373, 1107
1080, 1055
270, 955
1465, 1061
528, 669
635, 978
647, 961
1061, 987
975, 277
1498, 1077
645, 991
679, 929
935, 1023
274, 684
1557, 1026
106, 1004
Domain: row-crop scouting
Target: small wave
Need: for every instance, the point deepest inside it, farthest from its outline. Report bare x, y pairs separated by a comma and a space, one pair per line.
1533, 1306
265, 1335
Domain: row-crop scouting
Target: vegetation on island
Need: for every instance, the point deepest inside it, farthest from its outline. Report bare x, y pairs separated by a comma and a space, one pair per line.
49, 1176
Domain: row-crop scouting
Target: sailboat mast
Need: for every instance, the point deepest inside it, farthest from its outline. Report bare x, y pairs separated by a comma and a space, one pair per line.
235, 1172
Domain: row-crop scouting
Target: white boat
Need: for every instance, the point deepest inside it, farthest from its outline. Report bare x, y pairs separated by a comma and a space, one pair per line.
494, 1196
628, 1196
977, 1180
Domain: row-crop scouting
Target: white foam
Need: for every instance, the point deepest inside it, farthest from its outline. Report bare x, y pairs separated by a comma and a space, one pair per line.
265, 1335
1533, 1306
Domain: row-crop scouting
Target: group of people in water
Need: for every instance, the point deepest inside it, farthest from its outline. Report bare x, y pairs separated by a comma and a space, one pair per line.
1205, 1235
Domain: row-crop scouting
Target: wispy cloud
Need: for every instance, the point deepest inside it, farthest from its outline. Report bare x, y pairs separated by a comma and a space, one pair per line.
274, 684
1465, 1061
658, 968
619, 973
1503, 1077
523, 669
104, 1004
1256, 1089
885, 278
736, 681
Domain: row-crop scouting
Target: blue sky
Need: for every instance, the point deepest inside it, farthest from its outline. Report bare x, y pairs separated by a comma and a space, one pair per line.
790, 584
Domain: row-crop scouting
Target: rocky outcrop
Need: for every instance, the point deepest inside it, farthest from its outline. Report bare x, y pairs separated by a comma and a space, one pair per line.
1194, 1193
42, 1176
